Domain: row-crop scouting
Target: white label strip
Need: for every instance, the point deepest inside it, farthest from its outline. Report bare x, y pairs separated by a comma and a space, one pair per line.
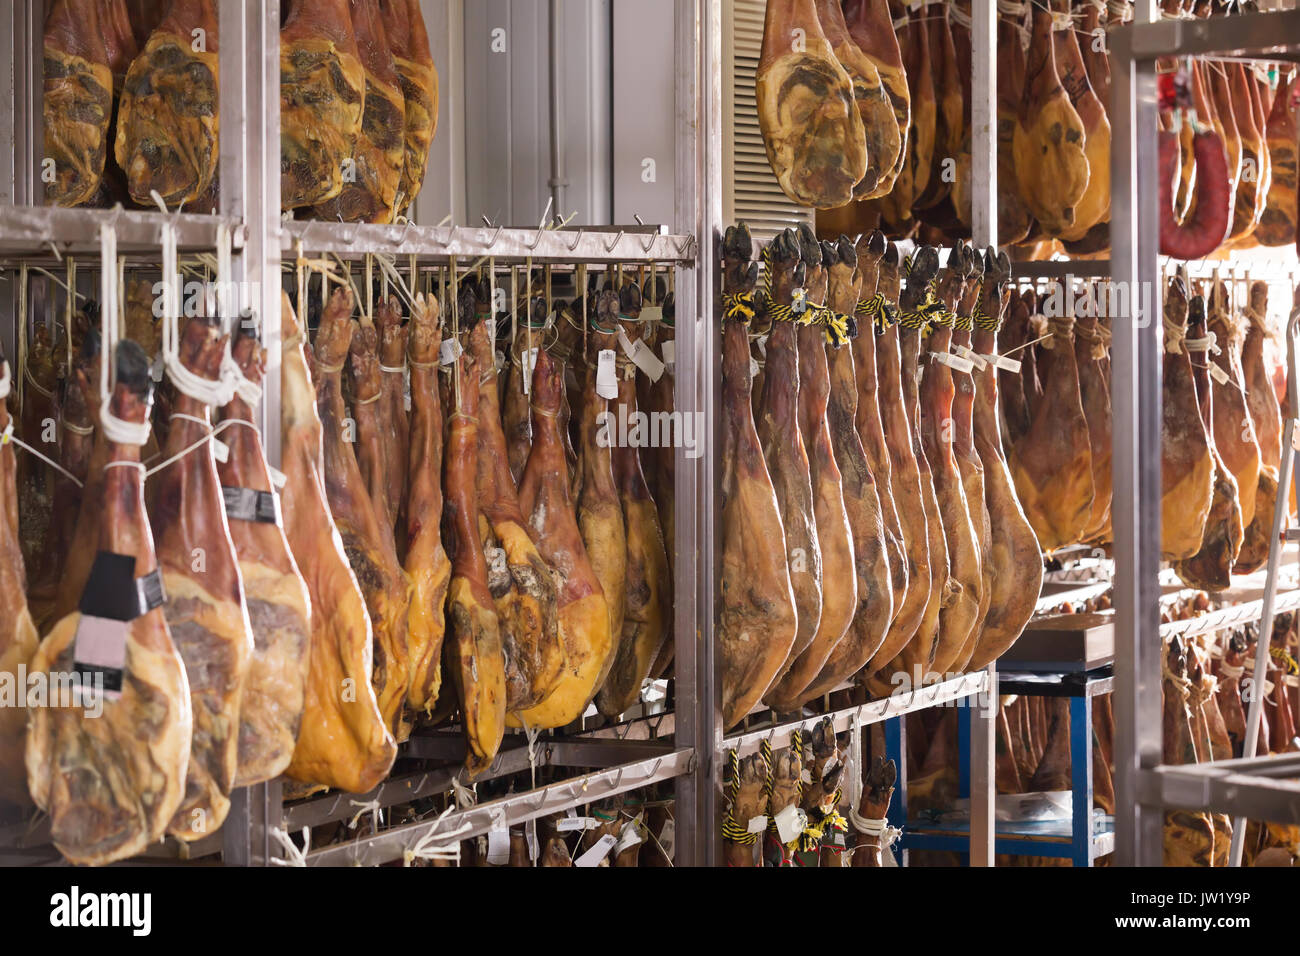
598, 852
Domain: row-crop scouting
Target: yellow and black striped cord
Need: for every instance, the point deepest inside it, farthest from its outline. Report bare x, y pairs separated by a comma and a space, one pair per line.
738, 305
1284, 660
732, 830
882, 313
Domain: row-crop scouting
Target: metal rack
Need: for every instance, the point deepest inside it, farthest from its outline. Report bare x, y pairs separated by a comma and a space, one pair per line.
1255, 786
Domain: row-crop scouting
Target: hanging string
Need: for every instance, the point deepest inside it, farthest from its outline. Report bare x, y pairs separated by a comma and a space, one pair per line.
23, 319
211, 392
492, 304
528, 312
455, 330
115, 429
70, 309
368, 318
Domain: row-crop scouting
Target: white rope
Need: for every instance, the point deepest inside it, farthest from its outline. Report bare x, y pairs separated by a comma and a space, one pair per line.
855, 761
116, 430
465, 796
1013, 9
292, 855
229, 422
434, 845
364, 807
1231, 671
1209, 343
220, 391
875, 827
8, 437
5, 380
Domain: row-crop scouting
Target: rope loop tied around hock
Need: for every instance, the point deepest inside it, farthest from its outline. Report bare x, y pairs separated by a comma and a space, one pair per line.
738, 305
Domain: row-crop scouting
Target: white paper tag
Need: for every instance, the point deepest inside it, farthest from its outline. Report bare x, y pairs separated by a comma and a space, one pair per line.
278, 478
606, 376
156, 369
666, 838
753, 366
449, 351
761, 342
99, 647
1002, 362
1216, 373
642, 356
652, 313
406, 397
631, 835
498, 852
756, 824
528, 362
498, 361
220, 450
970, 356
790, 822
954, 362
569, 824
530, 834
670, 355
598, 852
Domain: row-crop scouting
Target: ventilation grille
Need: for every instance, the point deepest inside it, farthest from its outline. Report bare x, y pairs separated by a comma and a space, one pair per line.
751, 192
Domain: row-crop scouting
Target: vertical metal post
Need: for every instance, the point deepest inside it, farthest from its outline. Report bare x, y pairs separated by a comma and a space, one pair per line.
984, 123
1136, 401
983, 713
698, 28
22, 133
1081, 829
896, 750
250, 191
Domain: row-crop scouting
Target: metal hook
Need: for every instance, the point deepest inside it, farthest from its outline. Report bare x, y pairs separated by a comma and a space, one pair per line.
495, 236
402, 238
613, 242
646, 248
618, 781
683, 246
536, 239
576, 239
654, 771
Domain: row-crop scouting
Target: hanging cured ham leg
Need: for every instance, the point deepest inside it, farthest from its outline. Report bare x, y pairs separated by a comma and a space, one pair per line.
834, 534
757, 624
1234, 430
1013, 569
545, 497
372, 438
279, 609
111, 782
474, 652
370, 551
813, 132
648, 587
322, 91
1277, 226
957, 617
409, 42
1266, 414
870, 29
380, 151
874, 613
1094, 204
343, 741
18, 638
1090, 357
427, 563
167, 120
600, 512
1188, 466
783, 442
522, 584
393, 418
77, 101
204, 603
1048, 145
904, 475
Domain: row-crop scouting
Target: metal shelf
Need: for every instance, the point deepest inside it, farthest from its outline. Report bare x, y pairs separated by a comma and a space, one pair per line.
1260, 788
543, 245
509, 810
30, 230
872, 712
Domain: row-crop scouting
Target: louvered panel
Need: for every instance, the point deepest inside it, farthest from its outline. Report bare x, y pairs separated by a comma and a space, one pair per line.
752, 192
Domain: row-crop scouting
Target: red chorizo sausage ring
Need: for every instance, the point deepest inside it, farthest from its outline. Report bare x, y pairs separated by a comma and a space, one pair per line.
1205, 226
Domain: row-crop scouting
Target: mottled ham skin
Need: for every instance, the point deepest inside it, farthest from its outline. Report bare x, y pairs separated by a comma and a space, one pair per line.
473, 649
369, 542
816, 144
1266, 414
1188, 837
279, 608
112, 782
168, 117
205, 606
343, 741
380, 146
322, 91
409, 42
523, 585
545, 497
393, 416
757, 625
427, 563
1187, 471
77, 100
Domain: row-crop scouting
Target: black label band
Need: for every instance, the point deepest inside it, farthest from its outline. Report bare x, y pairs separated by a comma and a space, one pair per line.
245, 504
114, 592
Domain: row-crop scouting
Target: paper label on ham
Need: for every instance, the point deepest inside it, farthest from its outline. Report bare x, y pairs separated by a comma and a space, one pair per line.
652, 313
598, 852
606, 376
670, 356
641, 355
449, 351
278, 478
100, 650
528, 362
247, 504
954, 362
756, 824
530, 834
970, 356
498, 849
666, 837
1002, 362
1218, 374
220, 450
569, 824
156, 369
630, 836
790, 822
